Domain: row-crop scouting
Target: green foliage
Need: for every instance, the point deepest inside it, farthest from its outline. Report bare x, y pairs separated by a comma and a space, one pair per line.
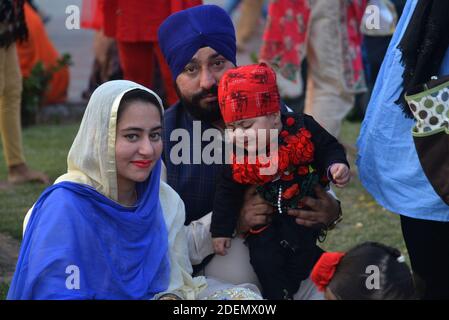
4, 287
254, 58
35, 86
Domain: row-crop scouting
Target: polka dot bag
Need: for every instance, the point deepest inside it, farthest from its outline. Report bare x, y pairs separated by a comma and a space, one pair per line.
429, 104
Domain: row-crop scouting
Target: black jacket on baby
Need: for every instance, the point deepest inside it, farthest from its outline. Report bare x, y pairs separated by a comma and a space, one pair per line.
283, 253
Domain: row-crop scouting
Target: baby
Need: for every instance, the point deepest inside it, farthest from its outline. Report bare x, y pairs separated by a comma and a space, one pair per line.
282, 253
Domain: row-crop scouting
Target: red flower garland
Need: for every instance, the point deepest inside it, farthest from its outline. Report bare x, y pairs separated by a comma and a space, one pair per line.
290, 121
303, 170
249, 173
295, 149
291, 192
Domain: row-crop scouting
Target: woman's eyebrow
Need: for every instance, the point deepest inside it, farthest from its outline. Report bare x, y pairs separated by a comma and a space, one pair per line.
156, 128
132, 129
159, 127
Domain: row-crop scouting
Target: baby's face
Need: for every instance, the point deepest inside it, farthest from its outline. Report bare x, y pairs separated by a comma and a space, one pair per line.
249, 133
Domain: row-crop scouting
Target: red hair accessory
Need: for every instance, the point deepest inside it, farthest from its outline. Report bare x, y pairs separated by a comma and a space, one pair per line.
324, 269
248, 92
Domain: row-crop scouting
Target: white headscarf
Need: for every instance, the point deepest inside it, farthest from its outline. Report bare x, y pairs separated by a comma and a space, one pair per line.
91, 158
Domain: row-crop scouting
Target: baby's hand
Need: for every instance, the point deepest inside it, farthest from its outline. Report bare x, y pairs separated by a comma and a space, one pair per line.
340, 174
220, 245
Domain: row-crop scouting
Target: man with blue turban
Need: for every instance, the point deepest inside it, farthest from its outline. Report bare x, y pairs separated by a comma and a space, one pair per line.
199, 46
190, 37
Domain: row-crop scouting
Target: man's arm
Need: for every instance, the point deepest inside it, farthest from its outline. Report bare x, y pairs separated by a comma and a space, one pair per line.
325, 209
255, 211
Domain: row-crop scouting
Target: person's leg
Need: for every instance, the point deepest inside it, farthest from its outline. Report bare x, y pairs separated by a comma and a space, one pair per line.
234, 267
300, 262
250, 13
268, 258
137, 61
11, 90
428, 247
231, 5
303, 252
376, 47
326, 99
10, 125
3, 185
169, 87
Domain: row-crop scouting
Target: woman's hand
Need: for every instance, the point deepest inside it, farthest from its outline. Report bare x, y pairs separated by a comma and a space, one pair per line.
255, 211
323, 210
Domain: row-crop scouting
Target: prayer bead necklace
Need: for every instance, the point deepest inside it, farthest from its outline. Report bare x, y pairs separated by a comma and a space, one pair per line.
279, 200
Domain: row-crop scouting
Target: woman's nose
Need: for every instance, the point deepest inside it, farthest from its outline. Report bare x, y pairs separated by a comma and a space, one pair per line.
146, 148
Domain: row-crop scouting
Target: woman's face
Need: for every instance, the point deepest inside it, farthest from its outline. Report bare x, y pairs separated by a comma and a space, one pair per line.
138, 144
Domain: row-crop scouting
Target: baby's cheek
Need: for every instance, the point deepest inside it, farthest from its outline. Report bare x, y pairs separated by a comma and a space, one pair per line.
230, 136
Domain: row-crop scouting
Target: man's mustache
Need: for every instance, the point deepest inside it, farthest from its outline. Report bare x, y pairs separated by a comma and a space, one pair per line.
204, 93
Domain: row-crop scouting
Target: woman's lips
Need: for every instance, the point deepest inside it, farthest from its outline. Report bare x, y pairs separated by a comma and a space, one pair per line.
143, 164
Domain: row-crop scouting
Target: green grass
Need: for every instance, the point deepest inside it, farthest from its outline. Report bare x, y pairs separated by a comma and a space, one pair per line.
363, 219
46, 149
3, 290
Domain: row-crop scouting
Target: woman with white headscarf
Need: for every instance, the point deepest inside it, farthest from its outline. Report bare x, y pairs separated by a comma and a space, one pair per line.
109, 228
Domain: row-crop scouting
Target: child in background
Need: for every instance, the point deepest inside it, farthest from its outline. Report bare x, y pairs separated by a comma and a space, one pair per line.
282, 253
369, 271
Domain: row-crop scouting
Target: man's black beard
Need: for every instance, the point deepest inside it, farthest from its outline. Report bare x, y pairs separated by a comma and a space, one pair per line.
209, 114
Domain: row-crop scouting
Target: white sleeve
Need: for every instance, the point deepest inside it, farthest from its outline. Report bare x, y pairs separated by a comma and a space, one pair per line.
332, 193
26, 219
163, 172
199, 239
181, 281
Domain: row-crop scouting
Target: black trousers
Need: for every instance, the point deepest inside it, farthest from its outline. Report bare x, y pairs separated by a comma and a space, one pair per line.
282, 256
428, 246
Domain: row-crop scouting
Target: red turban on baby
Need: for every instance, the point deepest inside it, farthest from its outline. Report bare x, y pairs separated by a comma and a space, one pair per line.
248, 92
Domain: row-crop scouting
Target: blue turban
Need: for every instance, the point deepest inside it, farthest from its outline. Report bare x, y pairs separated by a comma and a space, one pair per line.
183, 33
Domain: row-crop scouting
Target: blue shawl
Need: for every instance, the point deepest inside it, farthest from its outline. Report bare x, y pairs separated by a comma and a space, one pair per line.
79, 244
